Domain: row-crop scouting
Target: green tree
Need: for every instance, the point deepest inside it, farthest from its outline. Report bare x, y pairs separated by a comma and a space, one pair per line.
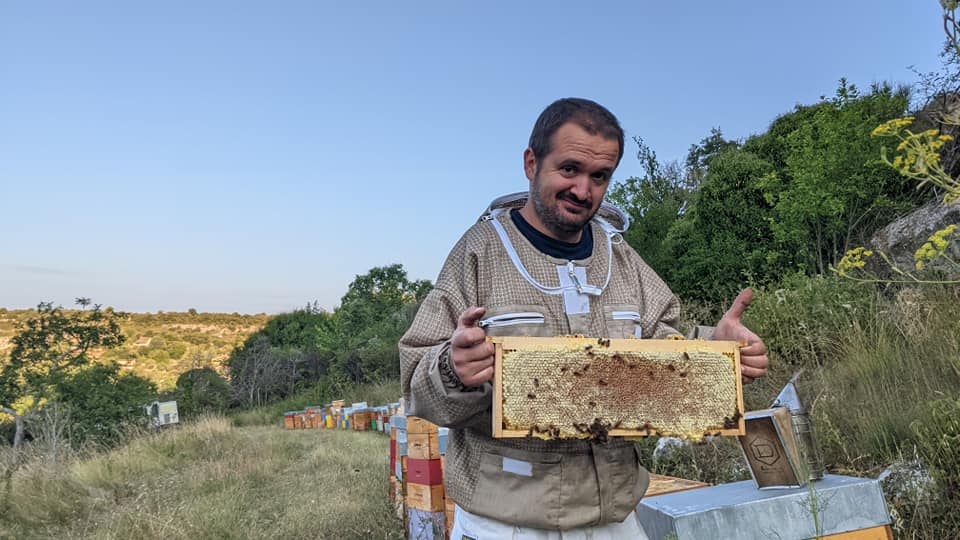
103, 402
724, 240
362, 337
48, 349
654, 202
202, 390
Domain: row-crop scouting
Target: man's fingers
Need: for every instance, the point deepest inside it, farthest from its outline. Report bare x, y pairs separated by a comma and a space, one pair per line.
467, 355
751, 372
467, 337
479, 378
469, 318
754, 348
739, 304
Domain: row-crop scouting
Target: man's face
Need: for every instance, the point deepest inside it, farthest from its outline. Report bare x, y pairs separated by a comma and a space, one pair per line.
568, 184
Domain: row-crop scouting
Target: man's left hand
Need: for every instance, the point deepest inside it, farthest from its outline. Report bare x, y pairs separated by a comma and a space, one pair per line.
753, 356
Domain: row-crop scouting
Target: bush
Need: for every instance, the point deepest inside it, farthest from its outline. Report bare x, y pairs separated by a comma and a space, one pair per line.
805, 321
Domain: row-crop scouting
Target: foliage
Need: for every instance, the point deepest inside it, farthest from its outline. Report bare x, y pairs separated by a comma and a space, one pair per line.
806, 321
103, 402
794, 198
724, 240
374, 313
918, 157
51, 346
838, 192
200, 391
654, 203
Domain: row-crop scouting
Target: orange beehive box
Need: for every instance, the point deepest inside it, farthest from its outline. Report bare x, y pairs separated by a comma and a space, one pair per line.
423, 446
421, 497
288, 419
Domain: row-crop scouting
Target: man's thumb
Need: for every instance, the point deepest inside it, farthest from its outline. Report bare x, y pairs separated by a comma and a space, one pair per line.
739, 304
470, 317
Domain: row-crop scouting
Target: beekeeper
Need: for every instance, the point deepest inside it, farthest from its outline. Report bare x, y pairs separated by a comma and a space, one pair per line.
547, 262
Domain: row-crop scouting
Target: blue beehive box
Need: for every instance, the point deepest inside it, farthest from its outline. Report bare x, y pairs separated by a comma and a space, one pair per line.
442, 435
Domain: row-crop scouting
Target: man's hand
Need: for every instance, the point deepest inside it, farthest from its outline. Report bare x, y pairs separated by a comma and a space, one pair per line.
472, 356
753, 357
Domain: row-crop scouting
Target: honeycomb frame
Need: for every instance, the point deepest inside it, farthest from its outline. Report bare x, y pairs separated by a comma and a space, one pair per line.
598, 388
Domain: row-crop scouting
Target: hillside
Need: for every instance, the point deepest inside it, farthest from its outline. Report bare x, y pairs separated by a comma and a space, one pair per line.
161, 346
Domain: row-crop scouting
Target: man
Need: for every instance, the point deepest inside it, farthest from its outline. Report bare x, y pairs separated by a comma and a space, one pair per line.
547, 263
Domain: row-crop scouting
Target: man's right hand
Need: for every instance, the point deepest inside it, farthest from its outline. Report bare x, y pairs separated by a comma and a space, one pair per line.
472, 356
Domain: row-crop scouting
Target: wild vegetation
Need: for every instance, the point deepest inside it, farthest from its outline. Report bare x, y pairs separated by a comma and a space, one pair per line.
209, 479
788, 211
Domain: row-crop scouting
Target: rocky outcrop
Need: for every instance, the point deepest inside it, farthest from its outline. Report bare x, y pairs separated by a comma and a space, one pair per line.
900, 239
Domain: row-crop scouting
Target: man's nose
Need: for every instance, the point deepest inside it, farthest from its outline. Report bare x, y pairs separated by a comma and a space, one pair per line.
581, 187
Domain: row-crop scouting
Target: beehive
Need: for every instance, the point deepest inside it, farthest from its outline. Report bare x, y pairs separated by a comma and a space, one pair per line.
575, 387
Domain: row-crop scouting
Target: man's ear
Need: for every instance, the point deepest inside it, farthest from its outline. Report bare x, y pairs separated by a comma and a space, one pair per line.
529, 164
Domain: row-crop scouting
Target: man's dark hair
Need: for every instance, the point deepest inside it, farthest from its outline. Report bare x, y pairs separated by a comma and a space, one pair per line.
594, 118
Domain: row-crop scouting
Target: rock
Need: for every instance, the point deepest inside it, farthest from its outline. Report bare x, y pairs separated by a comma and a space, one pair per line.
906, 481
900, 239
668, 445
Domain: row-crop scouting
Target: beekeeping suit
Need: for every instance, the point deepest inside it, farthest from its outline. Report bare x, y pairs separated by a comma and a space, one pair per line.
543, 484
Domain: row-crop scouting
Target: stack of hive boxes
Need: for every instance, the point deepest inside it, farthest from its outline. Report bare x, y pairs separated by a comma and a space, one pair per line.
425, 495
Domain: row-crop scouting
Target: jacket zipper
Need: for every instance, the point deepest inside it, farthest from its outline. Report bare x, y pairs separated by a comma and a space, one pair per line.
509, 319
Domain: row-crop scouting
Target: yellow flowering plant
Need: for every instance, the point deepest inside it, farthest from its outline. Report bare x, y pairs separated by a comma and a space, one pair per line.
917, 156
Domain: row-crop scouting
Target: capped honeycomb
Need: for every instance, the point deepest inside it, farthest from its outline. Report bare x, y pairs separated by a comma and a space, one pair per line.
572, 387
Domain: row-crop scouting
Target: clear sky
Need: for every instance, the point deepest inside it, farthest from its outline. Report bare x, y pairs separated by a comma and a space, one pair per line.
255, 156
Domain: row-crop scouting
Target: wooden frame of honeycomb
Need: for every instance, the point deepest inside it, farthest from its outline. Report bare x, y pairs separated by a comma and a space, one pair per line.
576, 387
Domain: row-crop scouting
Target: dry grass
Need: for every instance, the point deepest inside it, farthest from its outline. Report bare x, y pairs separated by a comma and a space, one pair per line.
210, 479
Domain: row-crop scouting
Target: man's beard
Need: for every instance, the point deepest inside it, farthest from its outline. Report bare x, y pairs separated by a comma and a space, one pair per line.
550, 215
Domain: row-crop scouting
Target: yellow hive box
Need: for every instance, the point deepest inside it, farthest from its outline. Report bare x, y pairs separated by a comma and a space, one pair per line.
575, 387
416, 424
424, 497
423, 446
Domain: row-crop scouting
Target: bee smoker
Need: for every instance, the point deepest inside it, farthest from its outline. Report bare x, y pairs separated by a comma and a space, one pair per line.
802, 430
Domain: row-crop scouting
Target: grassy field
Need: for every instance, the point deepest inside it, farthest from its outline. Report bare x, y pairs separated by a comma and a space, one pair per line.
210, 479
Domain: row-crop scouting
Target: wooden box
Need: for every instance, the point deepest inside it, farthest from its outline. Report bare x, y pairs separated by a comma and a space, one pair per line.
425, 497
574, 387
422, 446
425, 471
662, 485
419, 425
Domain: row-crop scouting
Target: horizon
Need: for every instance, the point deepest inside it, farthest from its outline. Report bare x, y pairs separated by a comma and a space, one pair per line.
239, 158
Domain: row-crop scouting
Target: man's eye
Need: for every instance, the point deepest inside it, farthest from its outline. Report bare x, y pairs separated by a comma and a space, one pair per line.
568, 169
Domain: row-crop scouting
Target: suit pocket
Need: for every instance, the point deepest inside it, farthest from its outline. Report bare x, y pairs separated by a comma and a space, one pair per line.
515, 320
518, 487
623, 321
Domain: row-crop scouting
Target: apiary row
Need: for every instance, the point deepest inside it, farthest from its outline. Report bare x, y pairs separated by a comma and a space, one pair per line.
417, 449
357, 417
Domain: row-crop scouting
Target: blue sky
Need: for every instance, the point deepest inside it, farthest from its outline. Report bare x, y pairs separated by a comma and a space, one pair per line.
251, 157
